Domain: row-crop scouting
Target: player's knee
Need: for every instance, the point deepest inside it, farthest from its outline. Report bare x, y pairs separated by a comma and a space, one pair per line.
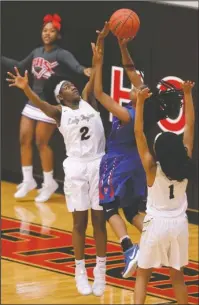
130, 213
109, 212
98, 220
25, 139
80, 227
176, 275
41, 143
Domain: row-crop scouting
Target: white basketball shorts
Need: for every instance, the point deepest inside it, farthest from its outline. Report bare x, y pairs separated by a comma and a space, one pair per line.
164, 242
81, 184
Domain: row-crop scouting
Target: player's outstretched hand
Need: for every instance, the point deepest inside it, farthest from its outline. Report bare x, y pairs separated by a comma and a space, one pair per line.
18, 80
97, 54
143, 94
104, 32
187, 86
124, 41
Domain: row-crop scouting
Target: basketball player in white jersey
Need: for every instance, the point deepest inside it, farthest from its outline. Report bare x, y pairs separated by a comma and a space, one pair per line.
164, 239
83, 133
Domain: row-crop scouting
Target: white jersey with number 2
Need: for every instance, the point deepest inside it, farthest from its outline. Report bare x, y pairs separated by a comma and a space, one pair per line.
166, 198
83, 132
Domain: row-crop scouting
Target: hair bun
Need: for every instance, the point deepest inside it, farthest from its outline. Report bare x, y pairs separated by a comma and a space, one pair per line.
57, 18
47, 18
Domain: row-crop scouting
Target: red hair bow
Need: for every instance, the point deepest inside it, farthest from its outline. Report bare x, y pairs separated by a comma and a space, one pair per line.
55, 19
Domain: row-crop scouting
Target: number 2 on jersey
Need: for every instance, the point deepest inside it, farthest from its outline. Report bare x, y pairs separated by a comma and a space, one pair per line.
84, 131
171, 194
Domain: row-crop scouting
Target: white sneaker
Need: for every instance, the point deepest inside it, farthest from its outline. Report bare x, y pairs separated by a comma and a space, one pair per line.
24, 188
99, 284
82, 283
46, 191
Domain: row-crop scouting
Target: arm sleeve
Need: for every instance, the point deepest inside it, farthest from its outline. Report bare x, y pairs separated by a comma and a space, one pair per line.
66, 58
24, 64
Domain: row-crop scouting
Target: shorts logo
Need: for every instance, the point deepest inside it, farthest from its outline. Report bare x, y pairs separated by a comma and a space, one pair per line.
106, 190
52, 250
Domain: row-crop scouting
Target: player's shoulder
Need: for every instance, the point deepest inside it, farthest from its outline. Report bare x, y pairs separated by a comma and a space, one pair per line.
84, 103
39, 49
60, 50
131, 111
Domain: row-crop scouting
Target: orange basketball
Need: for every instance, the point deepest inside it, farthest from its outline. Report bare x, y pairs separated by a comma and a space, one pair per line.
124, 23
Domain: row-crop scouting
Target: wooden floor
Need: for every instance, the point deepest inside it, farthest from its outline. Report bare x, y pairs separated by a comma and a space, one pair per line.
37, 258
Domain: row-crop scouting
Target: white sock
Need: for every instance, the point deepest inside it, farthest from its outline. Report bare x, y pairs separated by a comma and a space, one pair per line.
101, 261
48, 177
27, 172
80, 263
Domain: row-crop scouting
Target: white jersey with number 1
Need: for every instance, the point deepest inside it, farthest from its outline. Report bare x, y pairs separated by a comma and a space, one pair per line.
83, 132
166, 198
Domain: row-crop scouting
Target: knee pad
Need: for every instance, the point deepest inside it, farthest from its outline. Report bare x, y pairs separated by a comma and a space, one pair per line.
109, 212
131, 211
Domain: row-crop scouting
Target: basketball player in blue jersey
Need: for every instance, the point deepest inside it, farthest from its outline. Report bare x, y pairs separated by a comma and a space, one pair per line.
122, 177
43, 62
83, 133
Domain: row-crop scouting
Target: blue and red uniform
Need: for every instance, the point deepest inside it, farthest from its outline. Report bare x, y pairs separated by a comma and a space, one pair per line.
122, 177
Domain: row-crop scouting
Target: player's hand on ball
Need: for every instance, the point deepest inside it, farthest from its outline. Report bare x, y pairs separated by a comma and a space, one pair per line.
143, 94
18, 80
187, 86
97, 54
124, 41
104, 32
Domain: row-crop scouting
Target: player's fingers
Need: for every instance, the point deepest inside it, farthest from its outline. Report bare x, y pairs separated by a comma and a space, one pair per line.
106, 25
10, 74
26, 74
93, 46
146, 90
12, 85
10, 80
17, 71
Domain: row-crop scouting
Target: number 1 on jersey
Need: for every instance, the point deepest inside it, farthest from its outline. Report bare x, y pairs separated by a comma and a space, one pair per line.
171, 194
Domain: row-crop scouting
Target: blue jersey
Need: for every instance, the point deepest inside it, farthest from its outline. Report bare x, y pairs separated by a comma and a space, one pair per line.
121, 172
122, 138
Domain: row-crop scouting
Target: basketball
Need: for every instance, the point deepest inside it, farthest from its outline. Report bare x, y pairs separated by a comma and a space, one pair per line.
124, 23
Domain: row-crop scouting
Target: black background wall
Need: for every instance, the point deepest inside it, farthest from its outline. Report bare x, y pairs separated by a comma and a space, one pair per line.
167, 44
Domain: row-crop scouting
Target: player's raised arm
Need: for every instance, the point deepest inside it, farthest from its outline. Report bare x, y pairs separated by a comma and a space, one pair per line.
128, 63
88, 91
189, 116
21, 82
120, 112
143, 149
